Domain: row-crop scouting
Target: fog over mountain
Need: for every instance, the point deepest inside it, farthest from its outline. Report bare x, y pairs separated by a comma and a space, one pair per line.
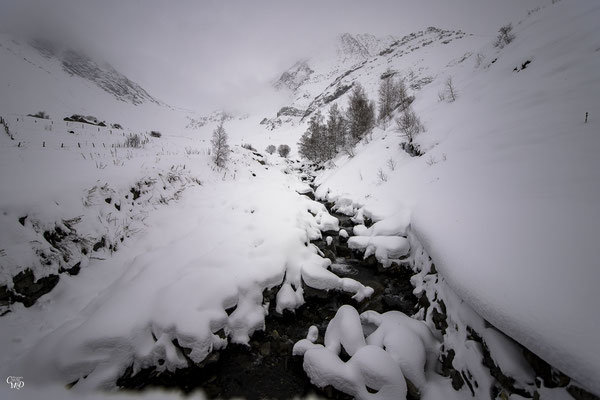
216, 53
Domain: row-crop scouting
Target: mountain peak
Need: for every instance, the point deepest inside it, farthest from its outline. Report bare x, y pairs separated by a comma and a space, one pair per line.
105, 76
361, 46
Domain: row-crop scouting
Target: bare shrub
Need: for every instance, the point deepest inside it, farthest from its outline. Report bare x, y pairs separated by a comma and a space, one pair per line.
409, 125
39, 114
134, 140
505, 36
382, 176
191, 151
391, 164
431, 161
450, 90
155, 134
248, 146
441, 96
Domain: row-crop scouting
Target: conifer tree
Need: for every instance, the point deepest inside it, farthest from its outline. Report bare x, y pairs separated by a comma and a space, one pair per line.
360, 114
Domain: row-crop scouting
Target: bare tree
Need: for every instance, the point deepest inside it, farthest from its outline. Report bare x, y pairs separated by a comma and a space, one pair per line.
450, 90
386, 99
335, 131
219, 145
392, 95
409, 125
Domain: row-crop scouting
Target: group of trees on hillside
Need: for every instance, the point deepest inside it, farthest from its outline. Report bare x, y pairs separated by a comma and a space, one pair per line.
341, 130
283, 150
221, 149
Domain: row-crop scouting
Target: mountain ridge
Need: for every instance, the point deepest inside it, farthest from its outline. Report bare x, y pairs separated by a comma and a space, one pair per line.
318, 81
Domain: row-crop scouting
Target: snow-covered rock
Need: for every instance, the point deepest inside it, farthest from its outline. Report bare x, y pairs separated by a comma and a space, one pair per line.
397, 347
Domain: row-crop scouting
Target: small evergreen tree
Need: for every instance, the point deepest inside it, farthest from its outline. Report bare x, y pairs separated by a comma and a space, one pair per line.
360, 114
313, 142
220, 146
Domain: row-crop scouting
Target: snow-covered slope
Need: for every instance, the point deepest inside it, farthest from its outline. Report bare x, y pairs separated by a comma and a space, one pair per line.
38, 75
505, 200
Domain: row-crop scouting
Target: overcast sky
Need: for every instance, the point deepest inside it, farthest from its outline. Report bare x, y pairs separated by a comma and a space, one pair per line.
203, 54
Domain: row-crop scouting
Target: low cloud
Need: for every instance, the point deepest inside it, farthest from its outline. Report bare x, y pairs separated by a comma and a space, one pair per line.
211, 54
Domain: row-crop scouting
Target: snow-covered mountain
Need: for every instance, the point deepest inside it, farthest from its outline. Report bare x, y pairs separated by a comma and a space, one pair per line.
103, 75
145, 258
328, 77
345, 51
40, 75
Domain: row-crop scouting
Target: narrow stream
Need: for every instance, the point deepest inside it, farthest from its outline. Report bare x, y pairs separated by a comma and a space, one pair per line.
266, 368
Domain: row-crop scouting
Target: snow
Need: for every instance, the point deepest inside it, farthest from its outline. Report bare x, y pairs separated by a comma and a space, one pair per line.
288, 298
505, 198
385, 248
396, 346
507, 355
344, 330
505, 201
185, 273
56, 392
